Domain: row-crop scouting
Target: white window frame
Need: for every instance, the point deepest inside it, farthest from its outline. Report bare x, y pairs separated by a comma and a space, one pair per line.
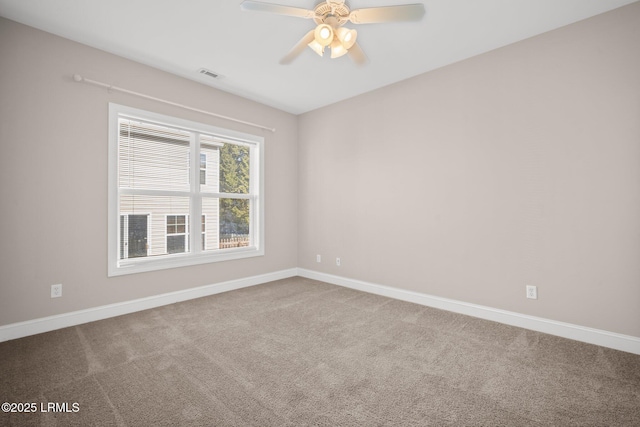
117, 267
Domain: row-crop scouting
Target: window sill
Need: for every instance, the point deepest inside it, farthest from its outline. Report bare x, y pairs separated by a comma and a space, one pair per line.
141, 265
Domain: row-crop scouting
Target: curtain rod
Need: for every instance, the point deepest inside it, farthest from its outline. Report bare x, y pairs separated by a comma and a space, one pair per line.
78, 78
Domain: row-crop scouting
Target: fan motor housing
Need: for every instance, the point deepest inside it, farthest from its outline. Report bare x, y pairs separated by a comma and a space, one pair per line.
338, 12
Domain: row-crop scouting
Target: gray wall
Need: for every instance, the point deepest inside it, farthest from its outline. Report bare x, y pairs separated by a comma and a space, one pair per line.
53, 175
517, 167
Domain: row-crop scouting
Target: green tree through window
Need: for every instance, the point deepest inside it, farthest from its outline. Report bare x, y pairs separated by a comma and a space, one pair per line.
234, 178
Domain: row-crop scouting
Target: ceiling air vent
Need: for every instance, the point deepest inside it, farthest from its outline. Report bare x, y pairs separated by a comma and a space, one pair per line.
209, 73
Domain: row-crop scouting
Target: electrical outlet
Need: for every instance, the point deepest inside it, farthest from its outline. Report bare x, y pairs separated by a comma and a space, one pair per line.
56, 291
532, 292
318, 258
338, 262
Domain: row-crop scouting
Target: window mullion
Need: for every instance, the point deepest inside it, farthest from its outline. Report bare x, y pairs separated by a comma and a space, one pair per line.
226, 195
145, 192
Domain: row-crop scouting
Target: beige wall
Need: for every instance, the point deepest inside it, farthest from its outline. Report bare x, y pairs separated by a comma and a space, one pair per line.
517, 167
53, 175
520, 166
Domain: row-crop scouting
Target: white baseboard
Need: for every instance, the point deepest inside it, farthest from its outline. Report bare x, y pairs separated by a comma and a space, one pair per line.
50, 323
566, 330
599, 337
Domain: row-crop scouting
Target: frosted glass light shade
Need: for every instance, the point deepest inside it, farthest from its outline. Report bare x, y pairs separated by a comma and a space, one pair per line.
316, 47
347, 37
337, 49
324, 34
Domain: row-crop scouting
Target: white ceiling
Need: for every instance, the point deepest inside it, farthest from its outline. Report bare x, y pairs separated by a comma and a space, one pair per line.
183, 36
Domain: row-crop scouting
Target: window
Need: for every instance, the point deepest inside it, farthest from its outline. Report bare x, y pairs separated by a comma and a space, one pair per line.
203, 169
153, 191
133, 235
176, 233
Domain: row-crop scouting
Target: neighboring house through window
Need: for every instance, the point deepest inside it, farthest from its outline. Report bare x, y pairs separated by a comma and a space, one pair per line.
203, 169
153, 192
176, 233
204, 233
134, 230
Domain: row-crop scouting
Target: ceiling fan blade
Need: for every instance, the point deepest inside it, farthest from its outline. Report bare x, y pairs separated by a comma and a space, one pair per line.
298, 48
256, 6
406, 12
356, 53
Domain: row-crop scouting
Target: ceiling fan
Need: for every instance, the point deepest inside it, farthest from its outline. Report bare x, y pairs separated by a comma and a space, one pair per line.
330, 17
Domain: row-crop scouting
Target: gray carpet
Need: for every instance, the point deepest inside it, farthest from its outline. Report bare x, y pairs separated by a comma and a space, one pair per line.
298, 352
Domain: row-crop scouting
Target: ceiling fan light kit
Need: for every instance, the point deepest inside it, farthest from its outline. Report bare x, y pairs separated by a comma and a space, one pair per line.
337, 49
344, 40
323, 34
330, 16
316, 47
346, 36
